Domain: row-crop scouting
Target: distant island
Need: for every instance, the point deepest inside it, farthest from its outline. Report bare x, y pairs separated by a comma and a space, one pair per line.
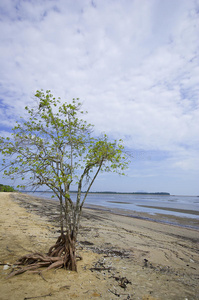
133, 193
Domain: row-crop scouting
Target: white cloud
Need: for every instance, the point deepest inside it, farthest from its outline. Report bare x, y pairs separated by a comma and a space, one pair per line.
134, 64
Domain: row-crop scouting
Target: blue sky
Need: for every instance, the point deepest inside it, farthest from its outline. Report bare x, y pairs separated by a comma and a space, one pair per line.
133, 63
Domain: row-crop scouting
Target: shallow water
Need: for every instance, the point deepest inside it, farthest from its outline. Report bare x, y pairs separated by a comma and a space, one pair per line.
179, 206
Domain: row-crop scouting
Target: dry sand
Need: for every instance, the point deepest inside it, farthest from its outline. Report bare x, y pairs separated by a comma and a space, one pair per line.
123, 257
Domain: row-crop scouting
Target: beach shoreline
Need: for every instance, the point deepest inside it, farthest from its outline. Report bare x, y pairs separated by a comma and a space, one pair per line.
179, 216
158, 218
170, 219
159, 260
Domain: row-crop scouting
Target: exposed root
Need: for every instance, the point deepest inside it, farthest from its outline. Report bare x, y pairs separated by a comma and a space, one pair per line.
60, 255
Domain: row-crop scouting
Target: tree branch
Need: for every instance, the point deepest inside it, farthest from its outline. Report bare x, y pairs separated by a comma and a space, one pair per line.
91, 184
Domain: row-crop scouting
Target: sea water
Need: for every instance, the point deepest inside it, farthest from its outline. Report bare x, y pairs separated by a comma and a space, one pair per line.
161, 204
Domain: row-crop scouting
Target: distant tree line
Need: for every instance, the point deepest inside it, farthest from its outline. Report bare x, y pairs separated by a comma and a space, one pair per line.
6, 188
133, 193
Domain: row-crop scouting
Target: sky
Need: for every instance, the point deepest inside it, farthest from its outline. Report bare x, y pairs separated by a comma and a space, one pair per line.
134, 64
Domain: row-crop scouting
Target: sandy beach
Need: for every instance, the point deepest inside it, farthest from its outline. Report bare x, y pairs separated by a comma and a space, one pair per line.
123, 257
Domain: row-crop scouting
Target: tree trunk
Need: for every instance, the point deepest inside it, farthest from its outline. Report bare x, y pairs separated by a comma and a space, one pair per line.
61, 216
65, 248
70, 253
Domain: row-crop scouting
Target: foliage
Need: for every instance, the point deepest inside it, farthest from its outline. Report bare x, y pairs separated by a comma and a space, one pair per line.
6, 188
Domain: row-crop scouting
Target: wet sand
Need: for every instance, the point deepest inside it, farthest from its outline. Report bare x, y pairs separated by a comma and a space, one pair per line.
170, 219
133, 258
186, 211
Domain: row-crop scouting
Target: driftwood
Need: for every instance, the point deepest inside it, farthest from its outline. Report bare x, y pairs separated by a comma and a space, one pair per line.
101, 268
121, 294
42, 296
123, 281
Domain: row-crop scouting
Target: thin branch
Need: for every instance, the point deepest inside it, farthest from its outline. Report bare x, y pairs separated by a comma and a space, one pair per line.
48, 295
91, 184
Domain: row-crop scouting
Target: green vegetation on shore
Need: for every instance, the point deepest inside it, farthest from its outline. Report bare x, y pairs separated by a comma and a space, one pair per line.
6, 188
